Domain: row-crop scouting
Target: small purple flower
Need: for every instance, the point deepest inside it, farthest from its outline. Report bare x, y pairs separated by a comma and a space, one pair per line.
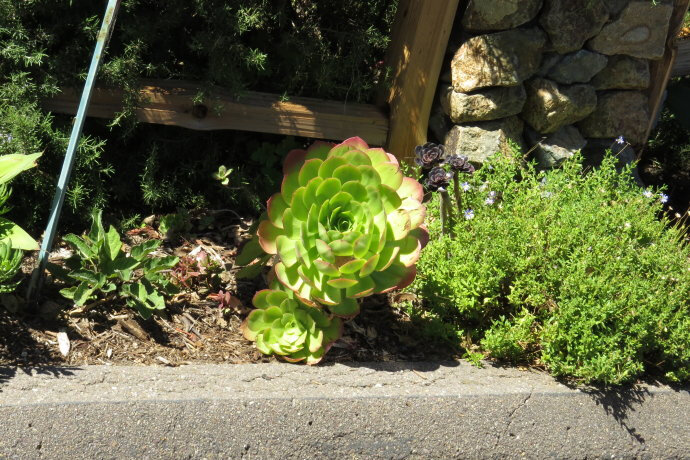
438, 179
459, 164
647, 193
469, 214
620, 140
429, 155
663, 198
465, 186
489, 201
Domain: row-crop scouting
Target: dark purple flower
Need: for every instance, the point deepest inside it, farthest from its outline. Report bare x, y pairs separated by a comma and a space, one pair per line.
438, 179
459, 164
429, 155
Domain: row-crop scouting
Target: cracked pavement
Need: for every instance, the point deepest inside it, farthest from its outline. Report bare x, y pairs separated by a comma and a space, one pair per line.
355, 410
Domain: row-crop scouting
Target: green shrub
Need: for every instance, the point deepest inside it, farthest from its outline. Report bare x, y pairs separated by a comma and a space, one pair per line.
570, 270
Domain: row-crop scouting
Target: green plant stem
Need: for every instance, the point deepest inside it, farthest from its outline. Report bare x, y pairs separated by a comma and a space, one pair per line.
446, 214
456, 191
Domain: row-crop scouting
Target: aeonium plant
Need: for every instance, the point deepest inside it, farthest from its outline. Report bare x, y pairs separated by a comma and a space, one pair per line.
439, 169
346, 224
284, 326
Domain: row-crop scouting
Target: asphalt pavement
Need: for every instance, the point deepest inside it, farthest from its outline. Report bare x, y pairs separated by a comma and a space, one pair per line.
353, 411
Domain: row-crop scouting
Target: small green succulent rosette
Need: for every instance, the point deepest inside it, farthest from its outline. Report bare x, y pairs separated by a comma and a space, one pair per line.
284, 326
346, 224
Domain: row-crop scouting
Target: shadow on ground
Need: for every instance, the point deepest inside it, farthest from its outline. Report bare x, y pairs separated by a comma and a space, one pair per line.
21, 352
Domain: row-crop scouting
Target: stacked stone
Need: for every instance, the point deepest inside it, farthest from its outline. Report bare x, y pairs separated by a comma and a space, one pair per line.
553, 75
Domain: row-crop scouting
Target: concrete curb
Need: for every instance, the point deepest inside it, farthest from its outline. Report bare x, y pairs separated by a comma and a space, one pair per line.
378, 410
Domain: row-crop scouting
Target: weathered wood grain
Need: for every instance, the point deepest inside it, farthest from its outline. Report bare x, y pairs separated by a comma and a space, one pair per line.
418, 44
682, 64
171, 103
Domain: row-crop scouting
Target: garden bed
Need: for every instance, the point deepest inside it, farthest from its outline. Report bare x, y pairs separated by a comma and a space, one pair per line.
193, 329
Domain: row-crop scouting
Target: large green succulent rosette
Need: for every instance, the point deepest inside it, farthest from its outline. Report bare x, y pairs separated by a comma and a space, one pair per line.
284, 326
346, 224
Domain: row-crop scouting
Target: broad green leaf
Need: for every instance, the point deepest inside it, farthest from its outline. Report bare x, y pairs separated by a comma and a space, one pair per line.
13, 164
157, 264
113, 243
140, 251
85, 275
82, 293
120, 264
80, 245
15, 237
97, 232
68, 293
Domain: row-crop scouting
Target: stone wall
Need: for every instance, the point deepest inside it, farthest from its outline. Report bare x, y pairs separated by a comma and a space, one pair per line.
561, 75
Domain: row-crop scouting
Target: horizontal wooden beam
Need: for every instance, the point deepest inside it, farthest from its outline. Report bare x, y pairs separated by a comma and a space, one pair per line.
171, 103
682, 65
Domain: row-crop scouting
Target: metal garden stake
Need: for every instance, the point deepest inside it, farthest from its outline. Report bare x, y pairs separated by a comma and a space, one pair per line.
68, 163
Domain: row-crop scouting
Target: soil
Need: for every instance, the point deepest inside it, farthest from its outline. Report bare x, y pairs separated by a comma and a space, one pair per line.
193, 329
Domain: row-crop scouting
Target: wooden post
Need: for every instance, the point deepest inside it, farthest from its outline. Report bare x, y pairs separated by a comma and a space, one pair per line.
418, 44
661, 70
681, 67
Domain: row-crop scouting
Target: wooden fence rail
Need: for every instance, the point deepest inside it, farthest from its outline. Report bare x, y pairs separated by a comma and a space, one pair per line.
171, 103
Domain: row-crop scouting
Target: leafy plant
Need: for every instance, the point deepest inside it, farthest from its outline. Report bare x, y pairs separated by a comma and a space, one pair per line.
196, 268
223, 175
10, 263
104, 271
569, 270
12, 234
284, 326
172, 225
346, 224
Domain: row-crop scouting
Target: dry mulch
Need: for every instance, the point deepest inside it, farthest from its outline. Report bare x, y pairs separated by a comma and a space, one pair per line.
193, 329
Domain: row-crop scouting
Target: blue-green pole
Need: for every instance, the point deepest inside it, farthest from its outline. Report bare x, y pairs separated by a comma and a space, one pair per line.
68, 163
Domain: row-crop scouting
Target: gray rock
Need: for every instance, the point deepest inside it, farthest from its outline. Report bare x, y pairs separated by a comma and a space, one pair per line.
618, 113
570, 23
483, 105
623, 72
550, 150
487, 15
578, 67
501, 59
615, 6
640, 31
548, 61
480, 140
550, 106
